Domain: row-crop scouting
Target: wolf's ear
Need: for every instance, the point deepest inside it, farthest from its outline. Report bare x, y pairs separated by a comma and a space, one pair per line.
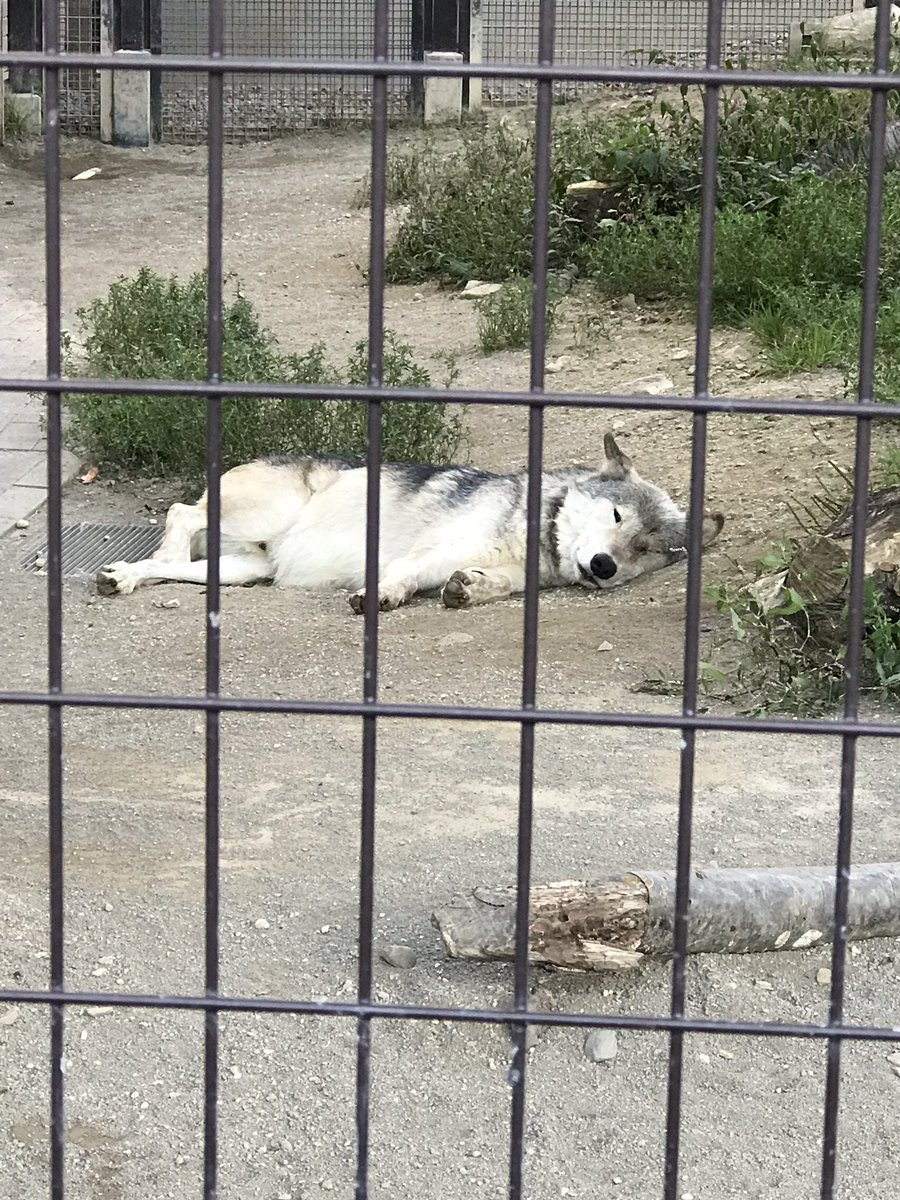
617, 464
712, 527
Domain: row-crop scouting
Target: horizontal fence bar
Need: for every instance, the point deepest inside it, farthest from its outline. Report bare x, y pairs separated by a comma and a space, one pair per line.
248, 64
437, 712
405, 395
490, 1016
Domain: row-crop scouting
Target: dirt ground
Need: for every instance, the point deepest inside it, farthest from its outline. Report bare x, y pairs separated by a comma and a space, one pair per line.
446, 792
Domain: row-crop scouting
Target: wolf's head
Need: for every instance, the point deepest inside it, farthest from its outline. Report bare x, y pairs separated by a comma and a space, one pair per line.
614, 526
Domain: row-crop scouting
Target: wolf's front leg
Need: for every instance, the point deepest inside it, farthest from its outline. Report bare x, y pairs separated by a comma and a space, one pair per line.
482, 585
424, 568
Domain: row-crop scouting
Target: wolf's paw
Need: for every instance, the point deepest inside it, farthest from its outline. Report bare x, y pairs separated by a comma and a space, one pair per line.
388, 599
464, 588
117, 579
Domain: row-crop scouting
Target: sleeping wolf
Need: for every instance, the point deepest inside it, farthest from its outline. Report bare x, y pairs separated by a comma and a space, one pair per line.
301, 521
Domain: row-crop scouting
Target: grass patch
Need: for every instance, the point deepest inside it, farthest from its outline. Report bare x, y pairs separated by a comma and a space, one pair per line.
504, 319
471, 208
150, 327
793, 277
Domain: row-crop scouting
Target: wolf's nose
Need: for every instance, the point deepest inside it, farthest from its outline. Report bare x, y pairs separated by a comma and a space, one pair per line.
603, 566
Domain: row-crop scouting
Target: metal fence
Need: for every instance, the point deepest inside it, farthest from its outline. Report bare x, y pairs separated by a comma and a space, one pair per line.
79, 109
371, 708
635, 32
260, 106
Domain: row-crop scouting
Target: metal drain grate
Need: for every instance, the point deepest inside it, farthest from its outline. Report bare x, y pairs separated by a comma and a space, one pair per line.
88, 547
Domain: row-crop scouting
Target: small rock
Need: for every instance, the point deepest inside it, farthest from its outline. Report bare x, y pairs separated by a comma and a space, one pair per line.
327, 1185
99, 971
454, 639
418, 297
704, 1058
9, 1015
725, 1054
807, 939
601, 1045
764, 985
399, 956
823, 976
261, 923
650, 385
107, 907
167, 603
152, 521
22, 523
40, 562
680, 355
477, 289
558, 364
628, 301
617, 1179
98, 1010
604, 647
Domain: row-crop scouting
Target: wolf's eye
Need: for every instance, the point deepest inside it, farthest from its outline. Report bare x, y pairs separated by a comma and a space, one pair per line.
640, 545
617, 516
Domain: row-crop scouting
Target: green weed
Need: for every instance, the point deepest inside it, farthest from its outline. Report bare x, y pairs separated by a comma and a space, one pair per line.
504, 319
150, 327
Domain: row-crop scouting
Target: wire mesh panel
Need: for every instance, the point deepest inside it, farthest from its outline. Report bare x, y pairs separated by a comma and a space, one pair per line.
259, 106
365, 1008
634, 32
79, 111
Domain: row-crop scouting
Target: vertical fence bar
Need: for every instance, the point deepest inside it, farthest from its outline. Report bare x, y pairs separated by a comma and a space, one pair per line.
53, 292
378, 201
540, 240
693, 596
855, 603
215, 204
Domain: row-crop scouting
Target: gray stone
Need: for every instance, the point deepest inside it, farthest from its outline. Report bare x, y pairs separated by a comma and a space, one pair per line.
454, 639
399, 956
601, 1045
477, 289
650, 385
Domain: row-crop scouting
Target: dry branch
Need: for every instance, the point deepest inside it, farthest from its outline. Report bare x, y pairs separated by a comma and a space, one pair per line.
613, 923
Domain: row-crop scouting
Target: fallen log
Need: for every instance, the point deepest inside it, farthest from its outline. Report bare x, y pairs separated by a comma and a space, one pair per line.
614, 923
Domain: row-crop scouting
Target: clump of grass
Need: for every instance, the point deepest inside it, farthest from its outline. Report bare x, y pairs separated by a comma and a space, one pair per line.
150, 327
788, 657
504, 318
16, 125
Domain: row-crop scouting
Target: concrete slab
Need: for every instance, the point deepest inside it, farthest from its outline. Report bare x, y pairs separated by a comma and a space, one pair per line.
23, 461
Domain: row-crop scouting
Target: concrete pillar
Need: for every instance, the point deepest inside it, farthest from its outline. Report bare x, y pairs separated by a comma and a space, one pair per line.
476, 53
125, 105
443, 96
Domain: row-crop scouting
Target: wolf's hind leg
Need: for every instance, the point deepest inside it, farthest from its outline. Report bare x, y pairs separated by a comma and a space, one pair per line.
121, 578
183, 524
